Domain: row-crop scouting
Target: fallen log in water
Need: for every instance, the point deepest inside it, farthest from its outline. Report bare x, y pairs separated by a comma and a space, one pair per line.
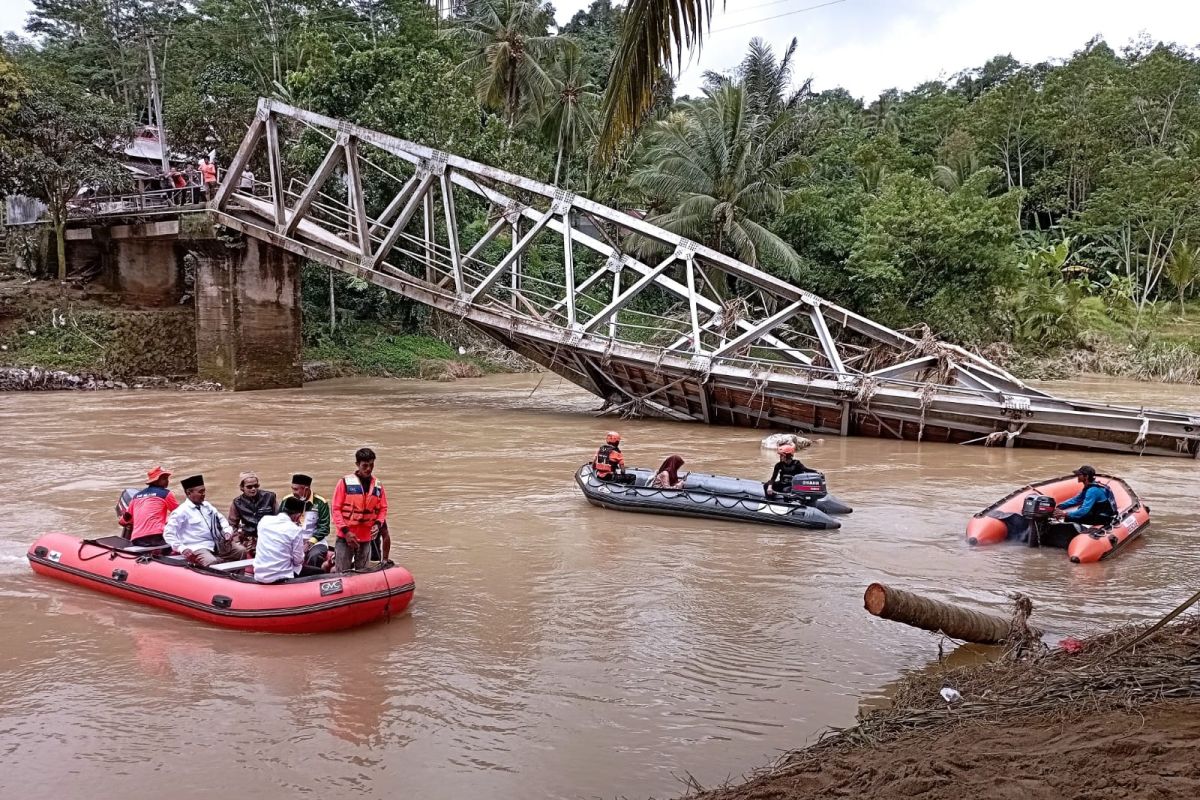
938, 616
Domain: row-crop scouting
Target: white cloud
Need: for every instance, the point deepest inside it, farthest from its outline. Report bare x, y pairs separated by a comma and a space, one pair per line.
867, 46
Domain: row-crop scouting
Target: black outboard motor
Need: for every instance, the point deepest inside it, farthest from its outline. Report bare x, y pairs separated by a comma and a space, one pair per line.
122, 506
808, 487
1037, 509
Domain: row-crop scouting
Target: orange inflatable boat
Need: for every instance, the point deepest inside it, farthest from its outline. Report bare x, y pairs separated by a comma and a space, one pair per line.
1025, 516
222, 595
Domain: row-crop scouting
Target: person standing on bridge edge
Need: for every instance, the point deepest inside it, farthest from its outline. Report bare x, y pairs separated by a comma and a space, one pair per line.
359, 508
208, 176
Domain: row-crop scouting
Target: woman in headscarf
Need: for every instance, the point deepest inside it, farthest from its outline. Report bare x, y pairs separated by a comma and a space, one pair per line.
668, 474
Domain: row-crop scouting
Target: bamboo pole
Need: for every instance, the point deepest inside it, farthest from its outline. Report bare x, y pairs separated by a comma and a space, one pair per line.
935, 615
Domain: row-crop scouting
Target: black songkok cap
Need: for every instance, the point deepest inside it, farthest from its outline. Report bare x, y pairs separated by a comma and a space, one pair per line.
292, 505
303, 480
192, 482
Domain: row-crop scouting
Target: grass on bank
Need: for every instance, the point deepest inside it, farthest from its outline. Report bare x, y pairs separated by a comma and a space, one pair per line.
365, 349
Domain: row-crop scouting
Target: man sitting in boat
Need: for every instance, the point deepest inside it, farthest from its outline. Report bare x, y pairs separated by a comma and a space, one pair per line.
315, 523
667, 476
250, 506
609, 464
786, 468
1094, 505
200, 533
279, 554
148, 510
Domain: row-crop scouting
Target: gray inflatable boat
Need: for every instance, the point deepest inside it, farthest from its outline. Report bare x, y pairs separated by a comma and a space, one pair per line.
712, 497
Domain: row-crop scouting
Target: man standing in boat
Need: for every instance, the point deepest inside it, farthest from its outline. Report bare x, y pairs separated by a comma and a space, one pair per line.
359, 509
250, 506
786, 468
148, 510
199, 532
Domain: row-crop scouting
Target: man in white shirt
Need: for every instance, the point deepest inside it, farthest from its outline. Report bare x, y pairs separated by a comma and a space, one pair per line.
199, 532
279, 554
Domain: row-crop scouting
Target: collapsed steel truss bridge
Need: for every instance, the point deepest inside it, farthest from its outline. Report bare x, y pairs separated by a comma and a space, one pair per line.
554, 276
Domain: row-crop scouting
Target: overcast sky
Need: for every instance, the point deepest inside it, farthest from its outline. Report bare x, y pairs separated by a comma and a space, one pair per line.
871, 45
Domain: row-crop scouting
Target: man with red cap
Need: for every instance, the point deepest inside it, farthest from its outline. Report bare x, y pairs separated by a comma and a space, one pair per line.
149, 508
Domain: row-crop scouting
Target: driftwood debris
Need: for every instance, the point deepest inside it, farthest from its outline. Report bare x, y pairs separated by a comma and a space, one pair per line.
938, 616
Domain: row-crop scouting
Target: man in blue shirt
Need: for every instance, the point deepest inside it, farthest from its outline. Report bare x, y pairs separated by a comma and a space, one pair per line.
1094, 505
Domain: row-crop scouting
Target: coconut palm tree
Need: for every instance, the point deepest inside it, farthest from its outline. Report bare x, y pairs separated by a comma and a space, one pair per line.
507, 45
720, 171
653, 35
569, 117
766, 79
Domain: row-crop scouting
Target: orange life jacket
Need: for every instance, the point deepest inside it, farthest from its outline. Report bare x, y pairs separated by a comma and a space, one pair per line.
360, 509
608, 459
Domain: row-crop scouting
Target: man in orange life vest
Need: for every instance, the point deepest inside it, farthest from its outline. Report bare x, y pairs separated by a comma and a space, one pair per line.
359, 507
609, 464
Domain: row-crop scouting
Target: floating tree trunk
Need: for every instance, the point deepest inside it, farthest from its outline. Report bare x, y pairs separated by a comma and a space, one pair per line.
937, 616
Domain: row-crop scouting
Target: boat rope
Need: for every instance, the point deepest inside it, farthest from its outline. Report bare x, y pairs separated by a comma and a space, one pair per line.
112, 554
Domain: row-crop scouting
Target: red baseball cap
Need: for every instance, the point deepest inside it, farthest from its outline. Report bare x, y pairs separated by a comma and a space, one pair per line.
157, 473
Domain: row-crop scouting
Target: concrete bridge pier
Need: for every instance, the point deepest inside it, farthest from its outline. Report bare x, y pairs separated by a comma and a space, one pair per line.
247, 314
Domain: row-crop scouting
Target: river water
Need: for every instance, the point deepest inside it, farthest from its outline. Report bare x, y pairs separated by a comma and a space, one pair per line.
553, 649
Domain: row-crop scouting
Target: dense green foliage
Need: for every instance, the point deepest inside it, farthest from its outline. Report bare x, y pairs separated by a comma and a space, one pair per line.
1021, 203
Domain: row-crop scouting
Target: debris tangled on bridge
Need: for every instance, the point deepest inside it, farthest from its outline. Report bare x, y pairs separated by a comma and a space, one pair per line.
553, 275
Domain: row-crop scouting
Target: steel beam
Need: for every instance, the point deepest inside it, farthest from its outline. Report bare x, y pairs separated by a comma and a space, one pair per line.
358, 203
759, 328
623, 299
242, 157
512, 256
297, 212
406, 215
273, 158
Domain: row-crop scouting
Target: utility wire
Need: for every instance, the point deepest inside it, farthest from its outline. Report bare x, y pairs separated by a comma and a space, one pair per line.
777, 16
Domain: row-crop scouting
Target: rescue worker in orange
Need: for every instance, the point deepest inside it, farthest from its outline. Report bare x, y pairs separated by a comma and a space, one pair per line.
148, 511
359, 509
786, 468
609, 464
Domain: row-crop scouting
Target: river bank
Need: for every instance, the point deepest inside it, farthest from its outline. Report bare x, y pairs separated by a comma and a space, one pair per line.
82, 330
1095, 719
80, 337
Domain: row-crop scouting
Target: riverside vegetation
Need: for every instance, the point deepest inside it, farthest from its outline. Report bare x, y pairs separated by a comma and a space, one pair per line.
1045, 214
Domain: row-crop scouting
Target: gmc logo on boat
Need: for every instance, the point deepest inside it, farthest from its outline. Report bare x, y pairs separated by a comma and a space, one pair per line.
331, 587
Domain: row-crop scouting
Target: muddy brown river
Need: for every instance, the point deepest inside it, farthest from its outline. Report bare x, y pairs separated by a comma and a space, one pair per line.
554, 650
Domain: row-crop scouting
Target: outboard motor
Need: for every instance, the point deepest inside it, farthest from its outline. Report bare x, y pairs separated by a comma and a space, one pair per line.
122, 506
1037, 509
808, 487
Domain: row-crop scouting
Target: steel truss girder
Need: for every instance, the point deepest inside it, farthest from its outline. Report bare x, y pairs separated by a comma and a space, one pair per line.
982, 392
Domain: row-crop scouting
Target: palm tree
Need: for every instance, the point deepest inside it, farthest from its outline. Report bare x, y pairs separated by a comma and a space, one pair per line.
569, 117
653, 35
1183, 270
720, 170
767, 80
507, 45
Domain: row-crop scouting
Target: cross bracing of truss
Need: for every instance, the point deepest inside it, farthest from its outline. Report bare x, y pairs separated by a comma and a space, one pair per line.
530, 262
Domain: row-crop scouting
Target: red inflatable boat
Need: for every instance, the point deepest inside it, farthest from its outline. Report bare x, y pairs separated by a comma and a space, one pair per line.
1023, 517
221, 594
